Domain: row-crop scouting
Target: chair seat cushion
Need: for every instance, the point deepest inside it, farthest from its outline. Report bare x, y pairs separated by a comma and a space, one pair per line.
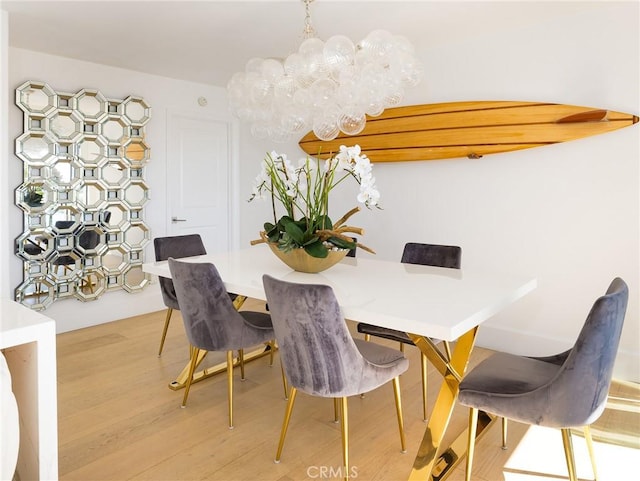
381, 365
259, 320
508, 374
502, 384
377, 354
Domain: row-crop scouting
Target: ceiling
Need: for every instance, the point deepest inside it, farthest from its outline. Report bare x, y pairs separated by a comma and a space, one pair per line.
206, 41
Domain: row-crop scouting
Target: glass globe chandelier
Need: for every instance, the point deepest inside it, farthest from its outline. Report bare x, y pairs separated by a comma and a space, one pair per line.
328, 87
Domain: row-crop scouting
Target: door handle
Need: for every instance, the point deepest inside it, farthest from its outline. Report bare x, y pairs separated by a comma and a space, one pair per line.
175, 219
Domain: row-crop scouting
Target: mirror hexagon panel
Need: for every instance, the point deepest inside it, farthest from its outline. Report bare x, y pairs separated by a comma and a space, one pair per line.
82, 195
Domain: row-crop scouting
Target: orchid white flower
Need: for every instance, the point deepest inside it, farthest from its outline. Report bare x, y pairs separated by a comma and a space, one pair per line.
303, 192
369, 196
362, 167
344, 158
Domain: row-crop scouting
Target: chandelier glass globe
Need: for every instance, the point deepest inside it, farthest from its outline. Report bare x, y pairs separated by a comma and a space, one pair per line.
328, 87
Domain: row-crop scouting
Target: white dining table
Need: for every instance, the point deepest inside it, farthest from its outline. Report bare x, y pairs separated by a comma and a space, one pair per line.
426, 302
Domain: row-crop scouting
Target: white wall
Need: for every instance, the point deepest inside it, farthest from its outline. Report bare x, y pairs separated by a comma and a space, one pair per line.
162, 94
567, 214
5, 243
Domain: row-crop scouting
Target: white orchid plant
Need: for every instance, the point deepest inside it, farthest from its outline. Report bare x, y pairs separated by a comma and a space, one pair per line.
303, 193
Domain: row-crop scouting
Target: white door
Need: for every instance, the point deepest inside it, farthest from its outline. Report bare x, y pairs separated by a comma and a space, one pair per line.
199, 178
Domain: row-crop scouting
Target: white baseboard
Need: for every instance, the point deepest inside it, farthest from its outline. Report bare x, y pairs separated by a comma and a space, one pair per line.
71, 314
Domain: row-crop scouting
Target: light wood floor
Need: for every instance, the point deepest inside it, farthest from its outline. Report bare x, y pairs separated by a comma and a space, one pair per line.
118, 420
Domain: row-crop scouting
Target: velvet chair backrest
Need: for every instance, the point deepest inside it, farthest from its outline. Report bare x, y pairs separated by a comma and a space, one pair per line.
210, 319
578, 394
318, 353
432, 255
176, 247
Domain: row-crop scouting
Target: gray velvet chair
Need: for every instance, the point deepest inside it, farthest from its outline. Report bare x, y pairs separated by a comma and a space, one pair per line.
320, 357
426, 255
176, 247
568, 390
211, 321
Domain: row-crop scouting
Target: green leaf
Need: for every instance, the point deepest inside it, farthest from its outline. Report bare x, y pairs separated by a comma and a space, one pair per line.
295, 232
284, 220
317, 249
324, 222
302, 222
273, 234
311, 241
341, 243
320, 222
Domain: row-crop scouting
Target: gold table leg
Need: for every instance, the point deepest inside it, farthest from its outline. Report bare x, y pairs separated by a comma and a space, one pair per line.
432, 463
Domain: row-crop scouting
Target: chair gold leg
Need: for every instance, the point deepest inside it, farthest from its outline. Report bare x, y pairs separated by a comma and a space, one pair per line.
397, 396
423, 370
285, 423
401, 346
568, 454
504, 433
272, 350
344, 424
589, 439
471, 442
336, 410
241, 362
192, 367
284, 381
230, 386
367, 337
164, 331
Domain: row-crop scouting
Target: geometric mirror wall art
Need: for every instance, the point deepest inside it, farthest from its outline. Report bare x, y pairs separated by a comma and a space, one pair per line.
82, 196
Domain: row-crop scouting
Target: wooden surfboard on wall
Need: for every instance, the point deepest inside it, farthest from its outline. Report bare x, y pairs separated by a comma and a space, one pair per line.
469, 129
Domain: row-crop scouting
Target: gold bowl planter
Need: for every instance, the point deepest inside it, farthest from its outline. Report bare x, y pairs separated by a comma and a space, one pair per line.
300, 261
